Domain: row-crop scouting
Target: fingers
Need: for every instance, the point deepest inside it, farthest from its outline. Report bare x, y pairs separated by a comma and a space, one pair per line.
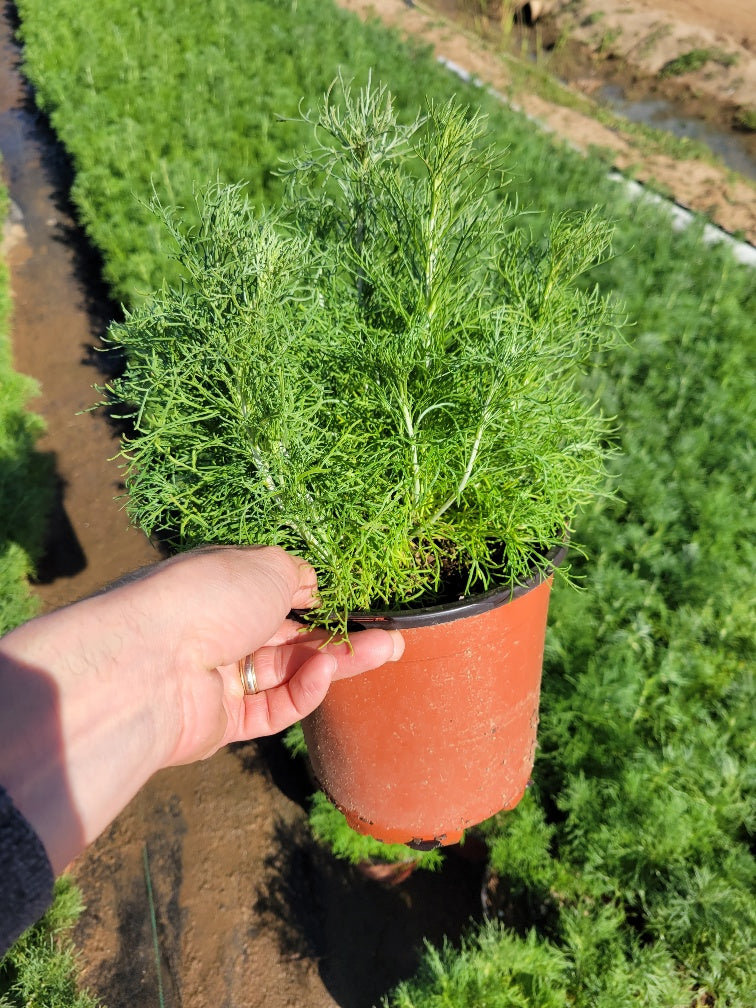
273, 710
221, 602
294, 680
365, 650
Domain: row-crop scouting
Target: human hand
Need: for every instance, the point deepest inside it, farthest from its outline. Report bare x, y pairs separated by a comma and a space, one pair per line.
239, 607
96, 697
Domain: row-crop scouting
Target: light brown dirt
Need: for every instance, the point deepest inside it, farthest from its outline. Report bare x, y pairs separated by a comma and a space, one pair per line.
660, 32
732, 19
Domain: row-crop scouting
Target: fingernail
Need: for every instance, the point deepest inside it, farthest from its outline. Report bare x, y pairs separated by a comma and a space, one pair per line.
398, 644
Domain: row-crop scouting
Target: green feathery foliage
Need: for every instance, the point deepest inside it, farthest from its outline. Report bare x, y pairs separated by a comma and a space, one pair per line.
494, 968
329, 826
381, 375
41, 968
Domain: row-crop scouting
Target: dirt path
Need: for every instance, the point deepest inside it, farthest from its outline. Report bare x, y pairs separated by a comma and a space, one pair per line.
729, 200
730, 19
56, 320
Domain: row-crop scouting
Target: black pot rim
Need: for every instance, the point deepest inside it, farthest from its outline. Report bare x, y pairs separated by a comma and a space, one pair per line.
448, 612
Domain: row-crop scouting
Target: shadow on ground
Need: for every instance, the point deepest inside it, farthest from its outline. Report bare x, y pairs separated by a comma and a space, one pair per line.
364, 935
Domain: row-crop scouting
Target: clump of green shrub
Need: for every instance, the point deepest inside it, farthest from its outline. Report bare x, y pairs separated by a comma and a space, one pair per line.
494, 968
40, 969
381, 374
696, 59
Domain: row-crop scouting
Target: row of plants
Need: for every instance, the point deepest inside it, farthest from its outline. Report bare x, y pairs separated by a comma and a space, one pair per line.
179, 94
42, 967
624, 873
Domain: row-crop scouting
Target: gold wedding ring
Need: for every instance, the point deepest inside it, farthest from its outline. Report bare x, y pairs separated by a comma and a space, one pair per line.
247, 675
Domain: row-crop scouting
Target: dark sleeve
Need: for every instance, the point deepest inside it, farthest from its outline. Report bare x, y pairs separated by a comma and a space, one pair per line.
26, 876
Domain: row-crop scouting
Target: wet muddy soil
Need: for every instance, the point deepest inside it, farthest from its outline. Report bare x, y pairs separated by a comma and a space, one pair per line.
625, 43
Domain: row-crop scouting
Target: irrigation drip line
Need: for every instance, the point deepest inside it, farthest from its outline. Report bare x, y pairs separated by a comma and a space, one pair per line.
681, 217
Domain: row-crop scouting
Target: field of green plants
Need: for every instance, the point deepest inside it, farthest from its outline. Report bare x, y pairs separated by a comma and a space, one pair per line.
628, 867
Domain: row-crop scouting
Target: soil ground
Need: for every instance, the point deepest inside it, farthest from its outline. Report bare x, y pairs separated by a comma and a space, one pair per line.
590, 43
249, 911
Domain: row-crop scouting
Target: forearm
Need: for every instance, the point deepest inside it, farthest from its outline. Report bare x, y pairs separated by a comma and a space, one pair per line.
77, 725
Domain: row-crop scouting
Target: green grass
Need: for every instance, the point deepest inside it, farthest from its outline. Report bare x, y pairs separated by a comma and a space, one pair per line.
696, 59
630, 858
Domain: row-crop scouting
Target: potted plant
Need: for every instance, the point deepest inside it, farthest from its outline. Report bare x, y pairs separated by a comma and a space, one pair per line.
382, 374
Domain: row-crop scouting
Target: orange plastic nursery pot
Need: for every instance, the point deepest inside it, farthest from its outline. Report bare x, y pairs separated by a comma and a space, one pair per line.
421, 749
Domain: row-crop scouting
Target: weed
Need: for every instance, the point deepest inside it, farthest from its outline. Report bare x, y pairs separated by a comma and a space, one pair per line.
746, 119
153, 925
607, 40
593, 18
696, 59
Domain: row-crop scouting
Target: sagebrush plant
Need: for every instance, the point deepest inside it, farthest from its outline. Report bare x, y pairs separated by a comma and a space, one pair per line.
381, 374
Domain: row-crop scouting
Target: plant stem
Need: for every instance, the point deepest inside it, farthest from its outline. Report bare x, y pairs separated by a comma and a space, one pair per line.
274, 488
430, 264
470, 463
410, 427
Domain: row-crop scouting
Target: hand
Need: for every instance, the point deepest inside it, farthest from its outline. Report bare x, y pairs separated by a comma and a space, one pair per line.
239, 607
96, 697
